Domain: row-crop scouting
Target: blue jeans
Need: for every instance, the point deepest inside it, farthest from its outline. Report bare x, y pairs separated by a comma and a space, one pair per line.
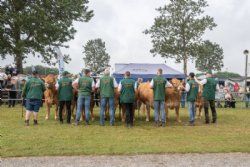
247, 100
191, 110
159, 106
83, 101
104, 101
183, 99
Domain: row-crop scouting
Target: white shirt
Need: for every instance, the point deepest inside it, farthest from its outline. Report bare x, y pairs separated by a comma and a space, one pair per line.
114, 83
168, 84
76, 81
187, 87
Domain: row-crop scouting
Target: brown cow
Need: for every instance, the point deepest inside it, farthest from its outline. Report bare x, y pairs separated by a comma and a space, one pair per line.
199, 102
146, 96
173, 98
50, 94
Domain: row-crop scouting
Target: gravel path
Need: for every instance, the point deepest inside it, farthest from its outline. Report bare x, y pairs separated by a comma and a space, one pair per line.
183, 160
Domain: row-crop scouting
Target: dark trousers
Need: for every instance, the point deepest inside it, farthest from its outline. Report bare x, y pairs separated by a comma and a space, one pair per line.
210, 103
129, 113
12, 96
68, 107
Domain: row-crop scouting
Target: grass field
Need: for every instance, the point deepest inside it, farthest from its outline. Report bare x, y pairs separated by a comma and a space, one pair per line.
231, 134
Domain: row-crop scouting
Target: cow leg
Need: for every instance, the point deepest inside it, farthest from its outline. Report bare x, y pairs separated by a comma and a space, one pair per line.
92, 114
148, 112
200, 112
47, 111
123, 113
177, 114
167, 113
56, 112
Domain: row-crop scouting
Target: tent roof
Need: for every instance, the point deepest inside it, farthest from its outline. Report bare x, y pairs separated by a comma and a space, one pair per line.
147, 70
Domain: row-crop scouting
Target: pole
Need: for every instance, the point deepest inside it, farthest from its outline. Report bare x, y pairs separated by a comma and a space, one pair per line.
246, 73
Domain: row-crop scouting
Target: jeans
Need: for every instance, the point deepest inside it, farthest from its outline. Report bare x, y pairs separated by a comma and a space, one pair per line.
210, 103
159, 105
191, 110
183, 99
68, 107
111, 103
83, 101
247, 100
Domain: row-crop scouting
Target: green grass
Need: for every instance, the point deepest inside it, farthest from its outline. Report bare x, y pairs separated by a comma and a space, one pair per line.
231, 134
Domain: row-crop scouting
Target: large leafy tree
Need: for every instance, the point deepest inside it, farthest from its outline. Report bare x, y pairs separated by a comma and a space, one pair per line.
96, 58
178, 30
209, 57
35, 27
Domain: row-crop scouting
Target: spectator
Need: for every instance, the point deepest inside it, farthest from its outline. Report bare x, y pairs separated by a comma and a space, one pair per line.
11, 87
247, 97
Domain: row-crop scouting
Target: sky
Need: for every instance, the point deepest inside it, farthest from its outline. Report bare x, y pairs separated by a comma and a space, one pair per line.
120, 23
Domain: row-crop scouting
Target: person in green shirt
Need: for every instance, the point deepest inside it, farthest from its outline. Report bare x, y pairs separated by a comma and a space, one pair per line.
192, 89
208, 94
106, 85
127, 89
158, 84
85, 86
65, 95
33, 92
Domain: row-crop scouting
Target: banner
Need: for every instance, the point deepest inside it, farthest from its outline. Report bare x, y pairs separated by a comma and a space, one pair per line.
60, 60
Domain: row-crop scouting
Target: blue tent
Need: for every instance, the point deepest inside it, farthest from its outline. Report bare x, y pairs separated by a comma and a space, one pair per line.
145, 71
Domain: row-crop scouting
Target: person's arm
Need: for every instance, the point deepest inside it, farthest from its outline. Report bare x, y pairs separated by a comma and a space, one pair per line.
120, 87
152, 84
93, 85
75, 83
115, 83
135, 86
202, 82
187, 87
57, 85
168, 84
97, 84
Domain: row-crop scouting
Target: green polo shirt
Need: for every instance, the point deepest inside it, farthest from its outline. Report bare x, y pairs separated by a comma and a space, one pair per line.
65, 89
209, 89
127, 91
193, 91
85, 86
159, 88
107, 86
33, 89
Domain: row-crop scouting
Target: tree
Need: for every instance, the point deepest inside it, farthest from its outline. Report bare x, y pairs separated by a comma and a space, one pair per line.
178, 30
96, 58
227, 74
42, 70
36, 27
209, 57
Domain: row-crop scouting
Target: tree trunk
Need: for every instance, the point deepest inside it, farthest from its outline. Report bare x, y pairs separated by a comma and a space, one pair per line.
185, 65
19, 62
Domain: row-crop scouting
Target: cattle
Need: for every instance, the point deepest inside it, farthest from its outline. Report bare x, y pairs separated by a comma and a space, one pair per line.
51, 95
199, 102
145, 95
173, 98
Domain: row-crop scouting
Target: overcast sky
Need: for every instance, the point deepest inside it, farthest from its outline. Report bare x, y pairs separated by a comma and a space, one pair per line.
120, 24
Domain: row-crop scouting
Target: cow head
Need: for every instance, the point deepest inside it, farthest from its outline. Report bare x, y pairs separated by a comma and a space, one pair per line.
176, 83
50, 81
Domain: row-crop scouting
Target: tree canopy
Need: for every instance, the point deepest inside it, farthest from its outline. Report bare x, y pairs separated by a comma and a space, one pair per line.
178, 30
96, 58
36, 27
42, 70
209, 57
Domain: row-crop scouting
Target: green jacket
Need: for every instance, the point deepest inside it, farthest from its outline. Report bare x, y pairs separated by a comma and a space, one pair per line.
85, 86
127, 91
193, 91
159, 88
107, 86
65, 89
209, 89
33, 89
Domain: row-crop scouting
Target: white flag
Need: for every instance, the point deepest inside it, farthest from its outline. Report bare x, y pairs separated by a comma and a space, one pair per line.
60, 60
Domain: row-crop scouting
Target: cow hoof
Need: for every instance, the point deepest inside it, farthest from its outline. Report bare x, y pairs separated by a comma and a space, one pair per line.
46, 118
92, 119
147, 120
179, 121
123, 120
56, 118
